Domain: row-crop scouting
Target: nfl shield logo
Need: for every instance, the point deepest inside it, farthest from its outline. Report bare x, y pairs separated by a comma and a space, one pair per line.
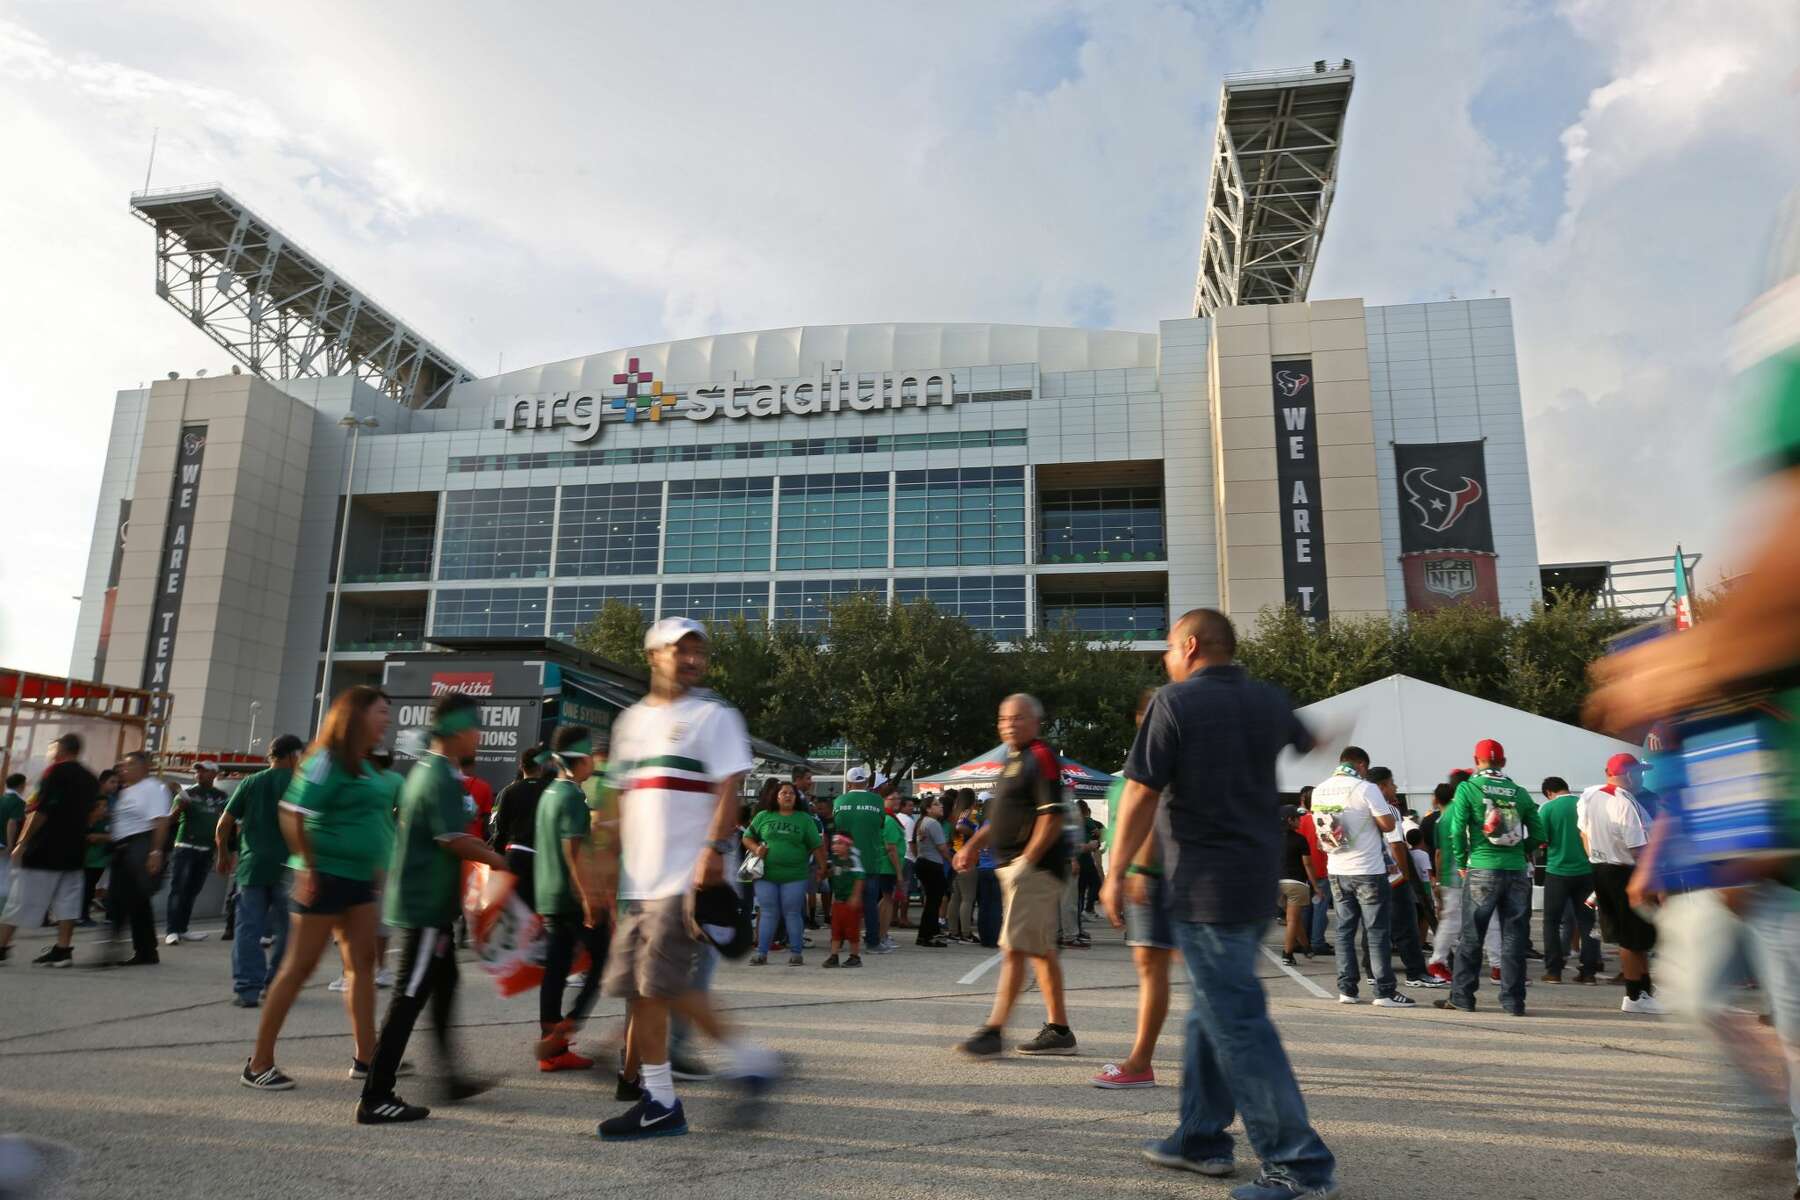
1450, 577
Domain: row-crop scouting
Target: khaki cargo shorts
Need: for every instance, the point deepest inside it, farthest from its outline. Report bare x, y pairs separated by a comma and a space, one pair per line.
1033, 900
652, 954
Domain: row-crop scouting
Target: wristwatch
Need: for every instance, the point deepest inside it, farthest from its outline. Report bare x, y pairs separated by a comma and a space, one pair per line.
721, 846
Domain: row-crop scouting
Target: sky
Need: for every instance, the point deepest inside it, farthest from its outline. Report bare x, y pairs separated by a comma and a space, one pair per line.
530, 182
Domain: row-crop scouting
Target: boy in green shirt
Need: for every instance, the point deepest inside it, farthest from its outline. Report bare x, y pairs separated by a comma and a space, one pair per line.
846, 900
860, 816
568, 897
253, 815
1493, 827
423, 900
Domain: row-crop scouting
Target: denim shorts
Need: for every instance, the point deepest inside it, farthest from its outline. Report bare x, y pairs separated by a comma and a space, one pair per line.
1148, 924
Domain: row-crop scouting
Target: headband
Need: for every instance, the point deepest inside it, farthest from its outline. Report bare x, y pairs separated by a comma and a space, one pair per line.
453, 723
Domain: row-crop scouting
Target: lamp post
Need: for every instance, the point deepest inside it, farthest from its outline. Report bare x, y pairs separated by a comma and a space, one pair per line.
355, 425
255, 710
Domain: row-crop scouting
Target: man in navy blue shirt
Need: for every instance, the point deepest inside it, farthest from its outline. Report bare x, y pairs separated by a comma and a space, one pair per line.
1211, 737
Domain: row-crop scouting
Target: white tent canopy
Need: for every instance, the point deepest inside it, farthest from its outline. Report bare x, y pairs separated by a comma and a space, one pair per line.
1422, 732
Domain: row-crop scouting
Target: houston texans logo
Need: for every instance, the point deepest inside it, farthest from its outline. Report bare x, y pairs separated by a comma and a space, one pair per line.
1290, 382
191, 443
1439, 508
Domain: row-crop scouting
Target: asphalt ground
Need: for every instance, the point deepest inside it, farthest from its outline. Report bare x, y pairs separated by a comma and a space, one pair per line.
137, 1069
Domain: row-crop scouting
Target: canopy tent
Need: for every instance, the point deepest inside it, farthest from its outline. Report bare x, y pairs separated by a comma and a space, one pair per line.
983, 769
1422, 732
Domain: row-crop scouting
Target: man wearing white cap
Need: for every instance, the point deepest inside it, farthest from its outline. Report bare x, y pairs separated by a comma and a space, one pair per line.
679, 756
196, 816
858, 815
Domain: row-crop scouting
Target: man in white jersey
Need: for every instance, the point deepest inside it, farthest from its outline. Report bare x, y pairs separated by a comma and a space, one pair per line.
678, 759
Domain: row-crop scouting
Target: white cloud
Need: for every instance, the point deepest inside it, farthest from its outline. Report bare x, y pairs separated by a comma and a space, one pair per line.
598, 176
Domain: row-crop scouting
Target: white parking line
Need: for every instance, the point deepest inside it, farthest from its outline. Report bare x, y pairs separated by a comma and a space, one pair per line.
980, 969
1302, 980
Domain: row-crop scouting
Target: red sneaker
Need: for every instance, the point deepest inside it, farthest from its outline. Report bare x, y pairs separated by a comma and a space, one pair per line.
1112, 1075
1439, 971
1496, 974
568, 1060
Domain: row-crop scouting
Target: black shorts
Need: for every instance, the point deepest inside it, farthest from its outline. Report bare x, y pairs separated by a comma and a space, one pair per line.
333, 895
1619, 922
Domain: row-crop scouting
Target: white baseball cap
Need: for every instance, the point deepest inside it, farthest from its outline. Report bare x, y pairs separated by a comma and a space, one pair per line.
880, 780
857, 775
984, 796
670, 630
206, 764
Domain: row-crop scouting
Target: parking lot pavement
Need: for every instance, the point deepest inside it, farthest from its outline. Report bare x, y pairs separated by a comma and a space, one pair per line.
137, 1069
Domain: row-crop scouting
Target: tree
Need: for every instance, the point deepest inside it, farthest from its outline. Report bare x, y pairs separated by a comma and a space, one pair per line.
909, 684
769, 676
616, 633
1089, 692
1548, 655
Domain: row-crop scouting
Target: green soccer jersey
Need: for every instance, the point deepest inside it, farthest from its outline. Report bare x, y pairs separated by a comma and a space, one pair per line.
859, 816
846, 876
423, 887
99, 854
256, 807
344, 816
791, 839
562, 813
1470, 847
1563, 852
892, 834
200, 809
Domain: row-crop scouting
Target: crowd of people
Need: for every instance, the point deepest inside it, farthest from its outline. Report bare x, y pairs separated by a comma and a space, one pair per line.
636, 856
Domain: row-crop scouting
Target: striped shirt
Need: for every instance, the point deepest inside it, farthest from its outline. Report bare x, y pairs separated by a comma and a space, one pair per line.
666, 764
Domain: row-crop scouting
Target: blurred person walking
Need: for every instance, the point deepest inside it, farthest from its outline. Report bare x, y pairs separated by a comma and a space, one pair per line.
48, 852
140, 829
196, 816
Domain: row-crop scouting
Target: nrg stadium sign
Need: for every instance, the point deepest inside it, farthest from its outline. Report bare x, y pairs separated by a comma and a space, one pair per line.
642, 397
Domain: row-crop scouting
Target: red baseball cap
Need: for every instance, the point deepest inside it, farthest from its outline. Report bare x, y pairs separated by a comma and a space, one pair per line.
1618, 764
1487, 750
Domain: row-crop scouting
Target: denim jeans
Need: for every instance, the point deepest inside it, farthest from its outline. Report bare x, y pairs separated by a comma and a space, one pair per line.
987, 906
872, 911
1362, 901
1563, 893
1235, 1064
1403, 930
261, 909
1320, 910
187, 875
1488, 896
781, 902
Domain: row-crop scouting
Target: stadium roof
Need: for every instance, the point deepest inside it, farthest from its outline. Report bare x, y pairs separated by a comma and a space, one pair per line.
277, 309
1274, 171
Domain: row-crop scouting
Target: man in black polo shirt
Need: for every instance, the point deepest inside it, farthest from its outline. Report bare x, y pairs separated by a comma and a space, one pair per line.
1025, 828
1211, 737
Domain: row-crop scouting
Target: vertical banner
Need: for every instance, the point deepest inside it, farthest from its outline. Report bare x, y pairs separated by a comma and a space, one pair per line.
112, 588
1297, 481
1446, 528
171, 568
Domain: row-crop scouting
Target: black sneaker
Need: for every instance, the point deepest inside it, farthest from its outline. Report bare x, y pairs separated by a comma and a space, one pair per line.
389, 1111
4, 951
271, 1080
1450, 1006
831, 962
55, 956
855, 960
1050, 1040
629, 1090
1287, 960
645, 1119
138, 960
985, 1043
683, 1065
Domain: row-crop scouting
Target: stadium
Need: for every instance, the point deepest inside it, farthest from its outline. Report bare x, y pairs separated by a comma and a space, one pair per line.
351, 492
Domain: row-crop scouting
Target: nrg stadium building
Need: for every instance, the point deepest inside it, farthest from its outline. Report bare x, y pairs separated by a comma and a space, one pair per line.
351, 493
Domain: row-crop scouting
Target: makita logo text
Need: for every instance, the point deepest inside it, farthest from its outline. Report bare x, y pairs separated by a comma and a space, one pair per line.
469, 683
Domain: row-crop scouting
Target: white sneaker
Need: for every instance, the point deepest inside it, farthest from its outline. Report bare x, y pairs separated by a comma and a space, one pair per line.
190, 936
575, 980
340, 984
1397, 1000
384, 978
888, 943
1645, 1004
174, 939
1343, 999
